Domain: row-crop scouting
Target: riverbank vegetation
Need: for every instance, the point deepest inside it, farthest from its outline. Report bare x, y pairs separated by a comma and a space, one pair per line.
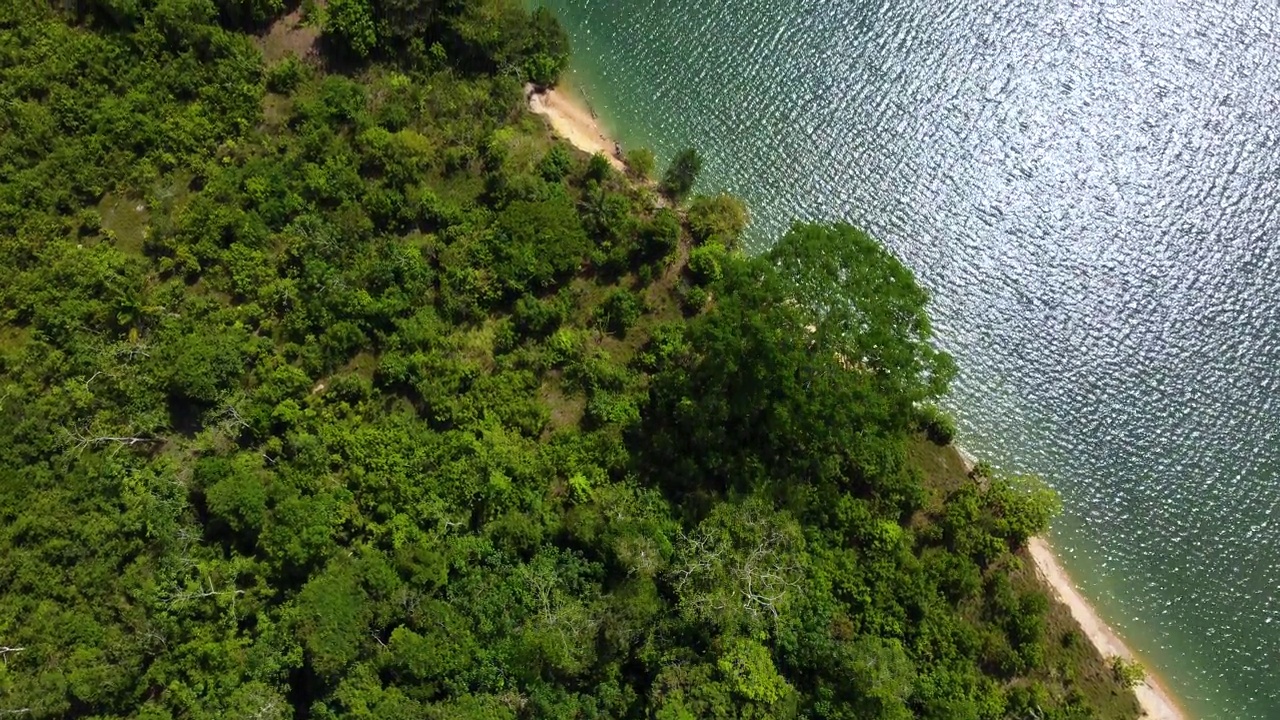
332, 386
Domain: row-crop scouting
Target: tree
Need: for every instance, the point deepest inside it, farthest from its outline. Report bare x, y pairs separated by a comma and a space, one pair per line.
619, 311
305, 408
349, 25
865, 305
719, 219
546, 48
682, 174
740, 568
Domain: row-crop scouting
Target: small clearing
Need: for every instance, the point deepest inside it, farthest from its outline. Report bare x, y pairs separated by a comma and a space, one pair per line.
289, 36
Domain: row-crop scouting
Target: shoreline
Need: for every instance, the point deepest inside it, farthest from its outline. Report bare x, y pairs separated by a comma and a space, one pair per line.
574, 122
1153, 696
570, 119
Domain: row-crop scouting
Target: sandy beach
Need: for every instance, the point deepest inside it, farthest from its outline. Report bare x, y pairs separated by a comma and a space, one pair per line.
1155, 700
572, 120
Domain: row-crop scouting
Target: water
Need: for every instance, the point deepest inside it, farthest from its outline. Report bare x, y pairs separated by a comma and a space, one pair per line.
1088, 187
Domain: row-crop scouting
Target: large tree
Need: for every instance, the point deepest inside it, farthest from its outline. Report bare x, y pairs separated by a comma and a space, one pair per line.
805, 371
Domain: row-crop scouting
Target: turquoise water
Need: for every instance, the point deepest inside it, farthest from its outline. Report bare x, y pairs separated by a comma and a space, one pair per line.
1089, 188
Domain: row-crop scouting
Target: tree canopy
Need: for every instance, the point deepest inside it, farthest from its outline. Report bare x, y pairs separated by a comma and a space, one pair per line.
332, 386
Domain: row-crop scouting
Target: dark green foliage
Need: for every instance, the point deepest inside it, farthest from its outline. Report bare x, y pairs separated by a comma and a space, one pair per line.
619, 311
536, 243
285, 75
936, 424
546, 49
555, 165
682, 174
355, 407
661, 235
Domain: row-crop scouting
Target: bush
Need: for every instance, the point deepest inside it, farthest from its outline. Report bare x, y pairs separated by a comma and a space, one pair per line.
619, 311
90, 221
534, 318
1129, 673
286, 75
348, 24
661, 235
704, 264
640, 163
693, 299
937, 425
720, 218
599, 168
556, 163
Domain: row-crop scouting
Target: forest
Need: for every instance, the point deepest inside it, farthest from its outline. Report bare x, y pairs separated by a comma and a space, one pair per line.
332, 386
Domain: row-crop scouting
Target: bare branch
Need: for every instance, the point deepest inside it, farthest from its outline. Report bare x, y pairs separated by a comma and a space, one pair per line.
81, 441
212, 591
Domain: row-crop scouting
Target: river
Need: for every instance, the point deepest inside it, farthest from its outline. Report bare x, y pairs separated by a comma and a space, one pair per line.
1089, 189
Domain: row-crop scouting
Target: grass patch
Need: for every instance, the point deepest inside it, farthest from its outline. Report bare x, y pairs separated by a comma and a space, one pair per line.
125, 218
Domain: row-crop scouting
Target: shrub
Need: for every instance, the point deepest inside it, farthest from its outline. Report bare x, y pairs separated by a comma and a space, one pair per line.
619, 311
661, 235
599, 168
640, 163
555, 164
286, 75
1129, 673
704, 264
694, 299
936, 424
534, 318
720, 218
349, 25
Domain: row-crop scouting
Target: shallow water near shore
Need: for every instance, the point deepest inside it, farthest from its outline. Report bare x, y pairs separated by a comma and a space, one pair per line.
1089, 187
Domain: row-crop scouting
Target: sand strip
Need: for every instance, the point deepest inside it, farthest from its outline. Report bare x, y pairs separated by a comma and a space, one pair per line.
572, 120
1155, 700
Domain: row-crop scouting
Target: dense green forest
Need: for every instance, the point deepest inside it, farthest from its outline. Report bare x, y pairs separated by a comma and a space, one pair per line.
332, 386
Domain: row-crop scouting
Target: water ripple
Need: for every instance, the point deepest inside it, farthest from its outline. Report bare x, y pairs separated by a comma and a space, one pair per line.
1088, 188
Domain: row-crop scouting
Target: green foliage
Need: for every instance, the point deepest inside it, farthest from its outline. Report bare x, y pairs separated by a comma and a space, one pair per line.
349, 26
1129, 673
936, 424
748, 668
640, 163
315, 417
682, 174
719, 219
661, 235
555, 165
536, 243
286, 75
705, 264
546, 47
619, 311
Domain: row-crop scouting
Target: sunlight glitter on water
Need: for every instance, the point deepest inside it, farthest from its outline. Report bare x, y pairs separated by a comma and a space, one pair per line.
1089, 189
